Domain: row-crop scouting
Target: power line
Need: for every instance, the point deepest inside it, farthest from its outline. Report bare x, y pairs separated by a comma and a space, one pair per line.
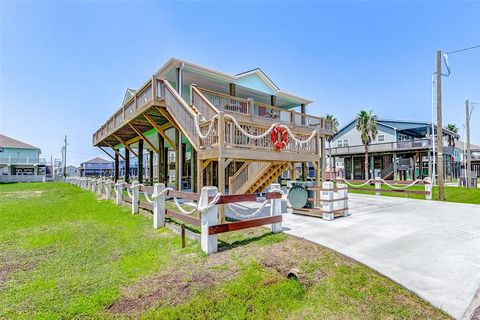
464, 49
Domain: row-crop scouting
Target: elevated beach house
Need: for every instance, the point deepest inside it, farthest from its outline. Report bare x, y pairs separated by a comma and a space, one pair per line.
96, 167
238, 132
20, 161
401, 150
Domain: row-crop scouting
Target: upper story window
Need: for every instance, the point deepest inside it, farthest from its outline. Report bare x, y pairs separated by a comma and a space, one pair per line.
342, 143
403, 137
381, 138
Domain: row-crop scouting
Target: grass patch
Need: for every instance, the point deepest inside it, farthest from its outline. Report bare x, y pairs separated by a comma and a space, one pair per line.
65, 254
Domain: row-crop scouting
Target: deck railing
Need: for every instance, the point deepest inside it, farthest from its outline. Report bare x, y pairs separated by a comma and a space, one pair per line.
22, 160
384, 147
255, 109
141, 98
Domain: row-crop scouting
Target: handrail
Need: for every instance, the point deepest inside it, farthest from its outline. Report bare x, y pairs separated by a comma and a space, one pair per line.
206, 108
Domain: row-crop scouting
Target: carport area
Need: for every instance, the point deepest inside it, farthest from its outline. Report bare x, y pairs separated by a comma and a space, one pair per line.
432, 248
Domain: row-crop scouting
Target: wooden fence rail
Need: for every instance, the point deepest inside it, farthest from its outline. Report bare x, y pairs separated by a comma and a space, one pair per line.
205, 203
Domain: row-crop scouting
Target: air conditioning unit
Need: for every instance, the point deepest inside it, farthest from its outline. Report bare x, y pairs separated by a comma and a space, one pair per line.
298, 194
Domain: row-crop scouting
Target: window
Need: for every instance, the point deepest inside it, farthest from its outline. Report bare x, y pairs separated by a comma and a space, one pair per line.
381, 138
403, 137
342, 143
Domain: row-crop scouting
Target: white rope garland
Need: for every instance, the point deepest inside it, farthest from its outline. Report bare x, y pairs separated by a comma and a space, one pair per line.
250, 215
404, 187
356, 185
210, 127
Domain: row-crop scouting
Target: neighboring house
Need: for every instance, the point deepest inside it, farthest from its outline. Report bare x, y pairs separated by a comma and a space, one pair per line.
401, 150
72, 171
96, 167
20, 161
173, 111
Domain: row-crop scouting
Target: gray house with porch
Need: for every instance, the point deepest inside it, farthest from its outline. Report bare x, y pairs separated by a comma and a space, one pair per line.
401, 150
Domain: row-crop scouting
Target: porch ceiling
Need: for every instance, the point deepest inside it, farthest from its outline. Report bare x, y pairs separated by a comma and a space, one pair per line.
126, 133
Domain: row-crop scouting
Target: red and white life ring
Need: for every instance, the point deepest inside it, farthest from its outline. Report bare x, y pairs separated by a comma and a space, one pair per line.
279, 145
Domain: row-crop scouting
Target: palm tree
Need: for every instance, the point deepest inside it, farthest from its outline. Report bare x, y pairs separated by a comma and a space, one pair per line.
453, 128
335, 125
367, 126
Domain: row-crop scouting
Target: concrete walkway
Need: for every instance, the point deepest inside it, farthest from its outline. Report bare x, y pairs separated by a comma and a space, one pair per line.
429, 247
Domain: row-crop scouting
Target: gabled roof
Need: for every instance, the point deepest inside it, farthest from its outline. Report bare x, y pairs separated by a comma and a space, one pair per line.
177, 63
128, 95
97, 160
8, 142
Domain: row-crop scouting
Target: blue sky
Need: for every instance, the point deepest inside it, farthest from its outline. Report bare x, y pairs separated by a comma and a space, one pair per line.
65, 65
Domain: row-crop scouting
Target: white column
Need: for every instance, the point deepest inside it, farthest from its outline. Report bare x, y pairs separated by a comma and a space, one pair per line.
118, 192
108, 189
100, 187
158, 205
135, 196
428, 188
209, 218
276, 207
343, 194
378, 186
326, 197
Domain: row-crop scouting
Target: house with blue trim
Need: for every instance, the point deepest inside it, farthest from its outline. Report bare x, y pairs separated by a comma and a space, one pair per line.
401, 150
20, 161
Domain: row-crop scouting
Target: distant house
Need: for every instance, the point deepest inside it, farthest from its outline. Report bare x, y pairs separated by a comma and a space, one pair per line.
96, 167
72, 171
401, 150
20, 161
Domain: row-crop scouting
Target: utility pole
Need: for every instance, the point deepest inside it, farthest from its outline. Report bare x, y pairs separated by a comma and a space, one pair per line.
467, 123
441, 195
65, 158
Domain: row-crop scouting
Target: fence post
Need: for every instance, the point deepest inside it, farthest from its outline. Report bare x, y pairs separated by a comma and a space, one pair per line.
326, 198
378, 186
209, 218
158, 205
428, 188
343, 194
108, 189
100, 187
93, 185
135, 196
276, 207
118, 192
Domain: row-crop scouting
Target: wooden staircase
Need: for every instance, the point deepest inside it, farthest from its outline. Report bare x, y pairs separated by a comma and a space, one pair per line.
256, 176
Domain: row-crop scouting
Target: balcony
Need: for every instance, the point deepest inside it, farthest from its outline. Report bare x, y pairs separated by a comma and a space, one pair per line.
241, 107
420, 144
22, 161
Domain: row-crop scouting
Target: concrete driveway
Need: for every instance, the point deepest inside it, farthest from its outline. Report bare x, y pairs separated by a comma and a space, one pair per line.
431, 248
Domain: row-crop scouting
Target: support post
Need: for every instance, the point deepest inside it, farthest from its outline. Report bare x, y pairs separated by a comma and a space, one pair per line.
161, 159
158, 206
209, 243
440, 165
326, 198
468, 155
117, 161
150, 167
177, 159
323, 163
276, 208
140, 161
127, 166
100, 187
221, 160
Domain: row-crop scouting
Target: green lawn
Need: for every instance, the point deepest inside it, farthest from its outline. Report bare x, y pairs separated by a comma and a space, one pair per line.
452, 194
64, 254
